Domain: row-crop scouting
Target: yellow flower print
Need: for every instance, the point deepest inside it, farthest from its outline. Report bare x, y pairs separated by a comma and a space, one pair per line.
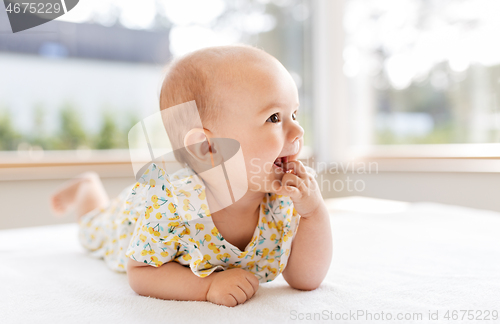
206, 258
251, 265
169, 193
154, 198
186, 257
207, 237
152, 183
214, 248
202, 195
223, 257
274, 271
176, 217
187, 205
156, 262
287, 236
188, 216
198, 186
184, 193
199, 227
158, 215
215, 232
142, 238
156, 205
171, 207
265, 251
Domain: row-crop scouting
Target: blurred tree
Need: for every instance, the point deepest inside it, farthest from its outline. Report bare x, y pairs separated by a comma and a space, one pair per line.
71, 133
9, 137
109, 136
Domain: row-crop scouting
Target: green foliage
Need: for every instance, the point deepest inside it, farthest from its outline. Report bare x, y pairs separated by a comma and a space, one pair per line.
9, 137
109, 136
71, 133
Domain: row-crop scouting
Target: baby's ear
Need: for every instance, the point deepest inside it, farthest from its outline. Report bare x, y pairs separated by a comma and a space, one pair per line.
197, 145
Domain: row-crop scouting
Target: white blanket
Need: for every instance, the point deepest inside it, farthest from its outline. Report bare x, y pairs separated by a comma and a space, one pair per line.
413, 258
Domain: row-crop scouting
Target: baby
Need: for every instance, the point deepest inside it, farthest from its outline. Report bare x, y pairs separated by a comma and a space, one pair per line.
161, 231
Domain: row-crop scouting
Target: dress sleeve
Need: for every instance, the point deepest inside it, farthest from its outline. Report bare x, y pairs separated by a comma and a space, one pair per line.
155, 239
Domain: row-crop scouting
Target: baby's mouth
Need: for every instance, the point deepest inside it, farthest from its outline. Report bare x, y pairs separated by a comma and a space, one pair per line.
280, 162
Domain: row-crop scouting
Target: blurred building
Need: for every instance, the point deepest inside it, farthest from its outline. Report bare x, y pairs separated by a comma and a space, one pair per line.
89, 66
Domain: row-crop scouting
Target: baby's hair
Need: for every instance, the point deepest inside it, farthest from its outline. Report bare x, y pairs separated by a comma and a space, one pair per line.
194, 76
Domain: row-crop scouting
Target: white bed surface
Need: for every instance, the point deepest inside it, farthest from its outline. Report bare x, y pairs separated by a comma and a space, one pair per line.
397, 258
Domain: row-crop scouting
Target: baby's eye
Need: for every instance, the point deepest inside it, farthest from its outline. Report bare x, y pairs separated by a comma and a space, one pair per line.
274, 118
294, 116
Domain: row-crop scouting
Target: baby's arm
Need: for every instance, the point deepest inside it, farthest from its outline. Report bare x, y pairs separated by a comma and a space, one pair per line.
173, 281
311, 251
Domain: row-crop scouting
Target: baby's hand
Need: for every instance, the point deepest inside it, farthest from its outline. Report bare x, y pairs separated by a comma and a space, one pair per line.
232, 287
301, 187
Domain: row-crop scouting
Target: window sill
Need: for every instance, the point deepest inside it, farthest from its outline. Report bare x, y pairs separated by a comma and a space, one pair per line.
430, 158
43, 165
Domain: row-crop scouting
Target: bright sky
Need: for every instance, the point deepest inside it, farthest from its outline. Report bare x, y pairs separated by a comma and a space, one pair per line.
414, 50
191, 19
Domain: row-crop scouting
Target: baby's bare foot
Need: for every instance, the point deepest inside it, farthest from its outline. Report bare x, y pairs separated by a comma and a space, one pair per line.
81, 194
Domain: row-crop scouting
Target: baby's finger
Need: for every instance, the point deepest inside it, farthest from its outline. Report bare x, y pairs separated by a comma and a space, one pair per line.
227, 300
252, 279
292, 180
289, 191
238, 294
298, 168
247, 288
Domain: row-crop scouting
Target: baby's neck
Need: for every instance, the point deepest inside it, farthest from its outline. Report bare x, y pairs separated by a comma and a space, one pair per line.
244, 208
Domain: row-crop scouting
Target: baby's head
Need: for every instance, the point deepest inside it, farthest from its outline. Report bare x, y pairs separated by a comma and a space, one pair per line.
242, 93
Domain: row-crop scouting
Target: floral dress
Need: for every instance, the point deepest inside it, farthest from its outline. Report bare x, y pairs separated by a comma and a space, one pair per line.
164, 218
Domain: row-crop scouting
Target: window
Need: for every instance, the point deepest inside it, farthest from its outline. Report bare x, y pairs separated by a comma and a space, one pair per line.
80, 82
423, 72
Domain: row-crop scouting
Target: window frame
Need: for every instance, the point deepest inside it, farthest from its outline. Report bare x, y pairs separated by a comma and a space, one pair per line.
331, 121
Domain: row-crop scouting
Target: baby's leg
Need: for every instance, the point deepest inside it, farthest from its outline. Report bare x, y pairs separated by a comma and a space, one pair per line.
81, 195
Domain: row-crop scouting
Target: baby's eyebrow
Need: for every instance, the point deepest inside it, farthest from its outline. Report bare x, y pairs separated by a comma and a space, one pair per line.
275, 105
